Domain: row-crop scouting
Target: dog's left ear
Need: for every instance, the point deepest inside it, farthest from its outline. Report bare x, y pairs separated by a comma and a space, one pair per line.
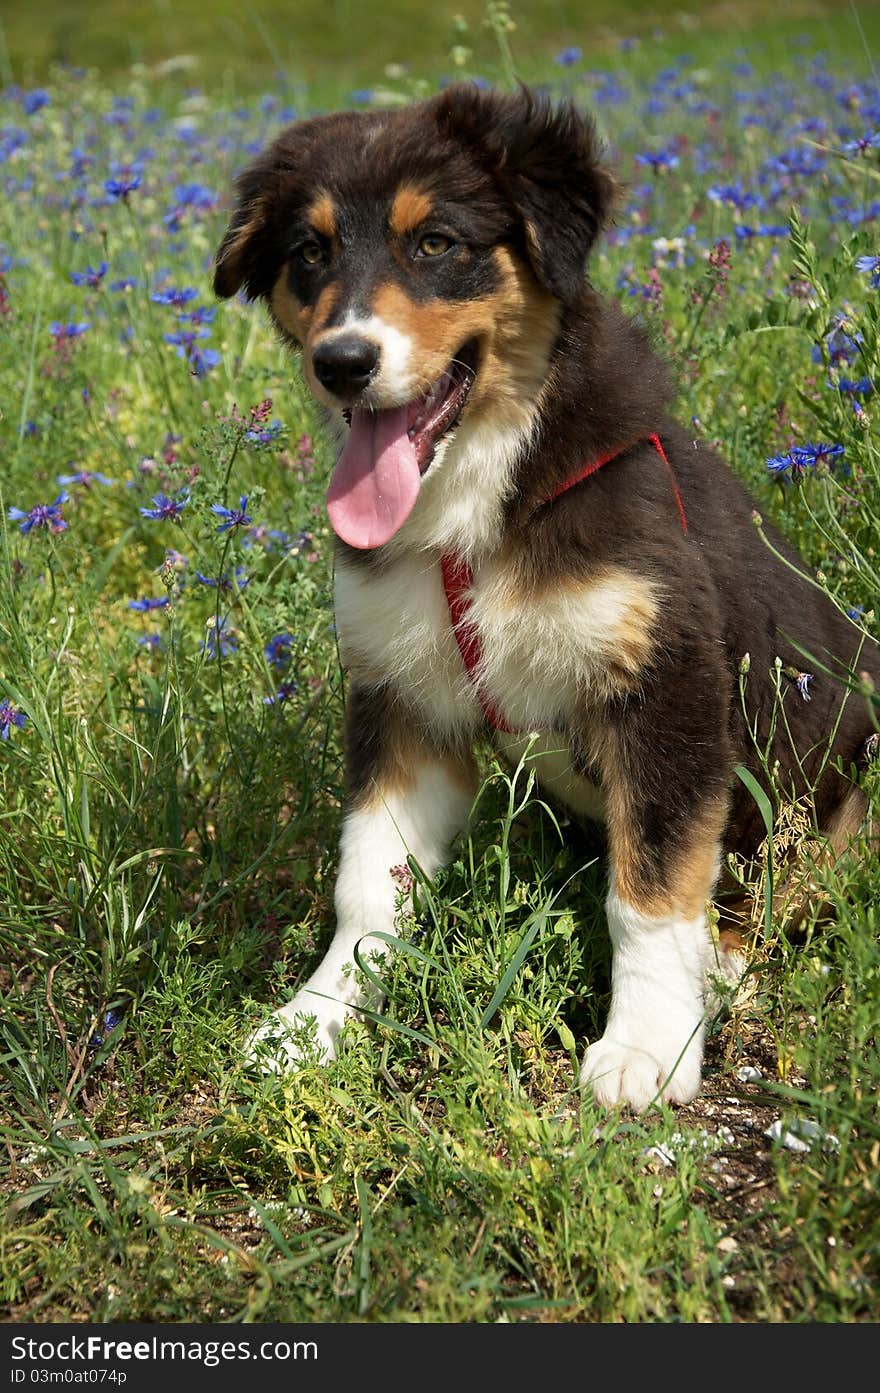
547, 161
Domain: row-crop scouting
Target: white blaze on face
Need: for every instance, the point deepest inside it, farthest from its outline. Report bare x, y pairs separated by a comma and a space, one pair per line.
395, 381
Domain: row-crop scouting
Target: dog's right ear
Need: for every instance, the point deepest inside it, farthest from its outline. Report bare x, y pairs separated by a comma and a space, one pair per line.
239, 254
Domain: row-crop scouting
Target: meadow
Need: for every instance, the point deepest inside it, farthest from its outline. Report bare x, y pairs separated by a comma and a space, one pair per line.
171, 705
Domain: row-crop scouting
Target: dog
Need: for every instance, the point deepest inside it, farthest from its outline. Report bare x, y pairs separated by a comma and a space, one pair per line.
528, 545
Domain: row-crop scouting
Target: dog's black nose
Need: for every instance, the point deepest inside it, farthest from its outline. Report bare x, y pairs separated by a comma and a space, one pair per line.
345, 365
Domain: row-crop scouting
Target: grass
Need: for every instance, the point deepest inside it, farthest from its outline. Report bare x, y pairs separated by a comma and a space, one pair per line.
171, 779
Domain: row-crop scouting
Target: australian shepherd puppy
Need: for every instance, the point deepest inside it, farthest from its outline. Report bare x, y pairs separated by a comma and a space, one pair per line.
529, 545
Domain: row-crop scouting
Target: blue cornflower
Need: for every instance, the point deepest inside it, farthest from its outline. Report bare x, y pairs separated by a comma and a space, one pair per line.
91, 276
67, 331
870, 265
201, 360
811, 455
239, 576
801, 458
220, 639
149, 602
194, 196
165, 507
284, 693
185, 339
264, 435
856, 613
174, 297
32, 102
202, 314
152, 641
46, 515
233, 517
863, 144
85, 477
658, 159
801, 681
10, 716
568, 57
854, 387
279, 649
187, 196
122, 186
106, 1027
127, 283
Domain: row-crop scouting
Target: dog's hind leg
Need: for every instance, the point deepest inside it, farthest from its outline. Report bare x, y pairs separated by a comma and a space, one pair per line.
407, 798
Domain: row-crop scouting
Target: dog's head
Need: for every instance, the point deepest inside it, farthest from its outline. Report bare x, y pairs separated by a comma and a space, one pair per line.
421, 258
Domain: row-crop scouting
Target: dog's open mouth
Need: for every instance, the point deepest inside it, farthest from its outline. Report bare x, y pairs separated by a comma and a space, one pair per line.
375, 484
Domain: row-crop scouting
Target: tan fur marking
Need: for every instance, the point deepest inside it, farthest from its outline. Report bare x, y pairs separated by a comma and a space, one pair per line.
404, 758
690, 875
410, 208
322, 216
847, 821
598, 632
302, 321
517, 325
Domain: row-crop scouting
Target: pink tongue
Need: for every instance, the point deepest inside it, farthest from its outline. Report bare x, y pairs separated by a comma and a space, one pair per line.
375, 484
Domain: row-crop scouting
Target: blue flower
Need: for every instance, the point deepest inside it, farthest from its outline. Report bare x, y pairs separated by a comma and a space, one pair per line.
106, 1027
870, 265
801, 458
853, 387
121, 187
658, 159
264, 435
46, 515
67, 331
220, 639
152, 641
801, 680
173, 296
201, 360
148, 603
240, 577
863, 144
233, 517
165, 507
279, 650
85, 477
284, 693
568, 57
32, 102
91, 276
10, 717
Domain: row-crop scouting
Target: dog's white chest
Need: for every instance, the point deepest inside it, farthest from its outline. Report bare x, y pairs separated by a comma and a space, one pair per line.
541, 653
394, 627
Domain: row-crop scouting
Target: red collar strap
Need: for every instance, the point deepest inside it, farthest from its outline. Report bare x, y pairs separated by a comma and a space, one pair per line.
458, 579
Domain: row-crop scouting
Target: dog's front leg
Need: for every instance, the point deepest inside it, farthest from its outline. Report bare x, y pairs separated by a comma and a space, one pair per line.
667, 801
407, 797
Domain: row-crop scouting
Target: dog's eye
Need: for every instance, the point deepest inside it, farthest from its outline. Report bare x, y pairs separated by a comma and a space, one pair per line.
433, 244
311, 252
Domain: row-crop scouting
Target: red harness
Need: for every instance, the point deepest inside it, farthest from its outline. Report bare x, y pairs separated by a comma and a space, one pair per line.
458, 579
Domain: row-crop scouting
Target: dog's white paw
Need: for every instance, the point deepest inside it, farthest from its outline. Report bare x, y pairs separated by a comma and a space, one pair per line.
636, 1068
303, 1032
